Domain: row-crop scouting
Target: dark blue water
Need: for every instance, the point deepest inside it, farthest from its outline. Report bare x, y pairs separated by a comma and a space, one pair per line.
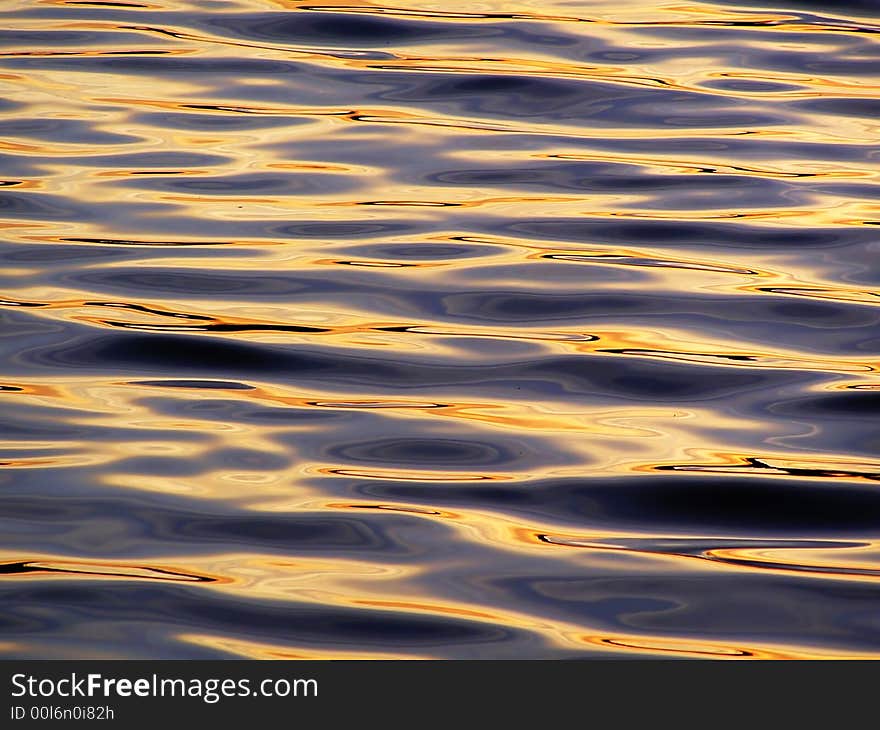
469, 330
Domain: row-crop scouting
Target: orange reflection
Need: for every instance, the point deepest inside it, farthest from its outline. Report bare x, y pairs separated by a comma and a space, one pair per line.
493, 192
256, 650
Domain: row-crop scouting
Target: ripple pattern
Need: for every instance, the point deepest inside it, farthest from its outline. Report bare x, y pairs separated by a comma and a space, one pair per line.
439, 330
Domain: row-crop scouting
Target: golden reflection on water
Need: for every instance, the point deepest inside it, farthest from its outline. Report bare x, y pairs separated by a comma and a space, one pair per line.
235, 206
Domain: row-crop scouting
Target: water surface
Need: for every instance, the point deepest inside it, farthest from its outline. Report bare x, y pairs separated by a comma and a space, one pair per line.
439, 329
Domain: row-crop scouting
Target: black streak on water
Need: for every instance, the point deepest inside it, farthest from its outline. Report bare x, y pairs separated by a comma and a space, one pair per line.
337, 331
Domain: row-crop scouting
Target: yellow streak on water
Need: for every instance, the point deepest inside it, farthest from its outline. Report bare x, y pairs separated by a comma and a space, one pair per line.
572, 438
255, 650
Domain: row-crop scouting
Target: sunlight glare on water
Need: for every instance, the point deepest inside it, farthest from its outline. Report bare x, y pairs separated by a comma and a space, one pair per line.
439, 329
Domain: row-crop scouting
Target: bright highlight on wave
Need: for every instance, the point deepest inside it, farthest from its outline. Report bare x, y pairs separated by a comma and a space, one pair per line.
439, 330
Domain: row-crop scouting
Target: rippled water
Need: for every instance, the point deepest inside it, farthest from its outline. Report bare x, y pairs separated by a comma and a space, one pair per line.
439, 329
